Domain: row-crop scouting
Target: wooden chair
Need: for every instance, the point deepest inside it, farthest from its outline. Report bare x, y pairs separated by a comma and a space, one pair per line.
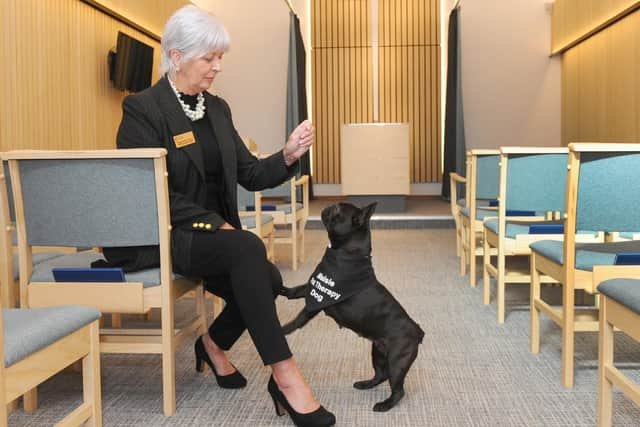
256, 221
532, 193
289, 208
457, 181
10, 288
482, 184
103, 198
35, 344
619, 308
292, 216
602, 192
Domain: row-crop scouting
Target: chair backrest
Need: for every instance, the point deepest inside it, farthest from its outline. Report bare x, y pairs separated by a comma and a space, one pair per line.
6, 247
7, 176
486, 173
608, 186
535, 178
100, 198
245, 198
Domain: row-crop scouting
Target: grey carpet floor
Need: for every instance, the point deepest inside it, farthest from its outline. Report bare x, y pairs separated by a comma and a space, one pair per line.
470, 370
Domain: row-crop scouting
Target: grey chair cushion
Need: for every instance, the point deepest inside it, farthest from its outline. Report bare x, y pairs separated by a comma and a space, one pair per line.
515, 228
37, 259
250, 221
624, 291
587, 254
27, 330
480, 213
286, 207
42, 272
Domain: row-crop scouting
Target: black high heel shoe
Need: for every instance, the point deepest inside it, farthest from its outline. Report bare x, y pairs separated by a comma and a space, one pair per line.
318, 418
235, 380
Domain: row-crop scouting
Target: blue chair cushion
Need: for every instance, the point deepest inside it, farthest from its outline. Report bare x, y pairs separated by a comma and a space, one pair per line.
480, 213
42, 272
587, 254
37, 258
27, 330
250, 221
623, 291
516, 228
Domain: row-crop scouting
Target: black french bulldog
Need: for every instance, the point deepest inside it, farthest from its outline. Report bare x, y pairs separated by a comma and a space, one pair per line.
345, 287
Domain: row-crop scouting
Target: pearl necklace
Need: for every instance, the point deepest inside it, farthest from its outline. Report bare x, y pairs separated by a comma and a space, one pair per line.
196, 114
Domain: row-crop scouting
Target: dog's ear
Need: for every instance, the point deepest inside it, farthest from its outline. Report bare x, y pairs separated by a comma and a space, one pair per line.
365, 214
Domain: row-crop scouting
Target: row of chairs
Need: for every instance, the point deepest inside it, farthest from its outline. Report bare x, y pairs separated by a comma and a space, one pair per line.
565, 211
93, 199
96, 199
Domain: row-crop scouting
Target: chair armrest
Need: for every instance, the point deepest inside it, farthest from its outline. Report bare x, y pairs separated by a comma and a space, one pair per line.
454, 177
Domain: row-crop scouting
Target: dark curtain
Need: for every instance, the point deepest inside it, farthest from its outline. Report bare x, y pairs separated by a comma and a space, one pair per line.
296, 89
454, 143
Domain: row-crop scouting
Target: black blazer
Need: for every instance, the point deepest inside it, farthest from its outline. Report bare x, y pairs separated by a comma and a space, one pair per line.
152, 118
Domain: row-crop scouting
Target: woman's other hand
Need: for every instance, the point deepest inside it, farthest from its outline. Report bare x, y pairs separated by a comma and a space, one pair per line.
299, 142
226, 226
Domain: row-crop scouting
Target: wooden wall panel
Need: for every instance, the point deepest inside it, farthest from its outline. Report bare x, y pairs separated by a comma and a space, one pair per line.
601, 85
574, 20
408, 77
341, 77
55, 92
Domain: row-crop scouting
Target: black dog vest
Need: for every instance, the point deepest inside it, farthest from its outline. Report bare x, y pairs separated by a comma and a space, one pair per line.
338, 276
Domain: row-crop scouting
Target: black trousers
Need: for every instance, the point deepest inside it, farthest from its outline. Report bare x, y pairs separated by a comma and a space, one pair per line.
235, 267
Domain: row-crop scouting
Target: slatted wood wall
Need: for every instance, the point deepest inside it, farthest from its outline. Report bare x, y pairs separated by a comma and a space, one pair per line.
409, 84
600, 74
54, 87
408, 77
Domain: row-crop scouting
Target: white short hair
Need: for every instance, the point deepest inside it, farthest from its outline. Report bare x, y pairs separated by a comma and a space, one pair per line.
193, 32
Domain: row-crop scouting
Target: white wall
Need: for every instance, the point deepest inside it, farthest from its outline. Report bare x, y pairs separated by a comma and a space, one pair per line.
511, 88
254, 76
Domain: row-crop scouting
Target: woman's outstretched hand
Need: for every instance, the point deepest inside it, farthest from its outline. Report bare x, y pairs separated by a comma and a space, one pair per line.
299, 142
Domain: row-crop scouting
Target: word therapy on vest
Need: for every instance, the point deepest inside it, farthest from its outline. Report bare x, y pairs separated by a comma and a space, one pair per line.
339, 276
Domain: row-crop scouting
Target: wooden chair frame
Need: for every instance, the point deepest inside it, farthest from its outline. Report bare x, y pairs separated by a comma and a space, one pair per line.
568, 317
472, 228
614, 315
25, 375
22, 378
130, 297
264, 231
519, 246
297, 219
454, 180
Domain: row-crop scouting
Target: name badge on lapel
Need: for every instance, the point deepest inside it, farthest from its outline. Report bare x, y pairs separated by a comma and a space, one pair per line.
184, 139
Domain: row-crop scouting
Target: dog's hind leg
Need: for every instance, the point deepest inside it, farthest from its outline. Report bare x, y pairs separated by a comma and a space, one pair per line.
379, 359
399, 359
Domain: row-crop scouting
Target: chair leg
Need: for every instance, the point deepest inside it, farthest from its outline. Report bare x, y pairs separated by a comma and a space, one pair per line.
294, 246
168, 358
301, 247
30, 400
535, 314
568, 315
91, 377
463, 250
500, 297
116, 320
472, 255
201, 309
486, 278
605, 359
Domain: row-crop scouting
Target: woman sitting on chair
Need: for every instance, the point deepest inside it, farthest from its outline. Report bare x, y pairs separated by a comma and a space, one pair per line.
206, 160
